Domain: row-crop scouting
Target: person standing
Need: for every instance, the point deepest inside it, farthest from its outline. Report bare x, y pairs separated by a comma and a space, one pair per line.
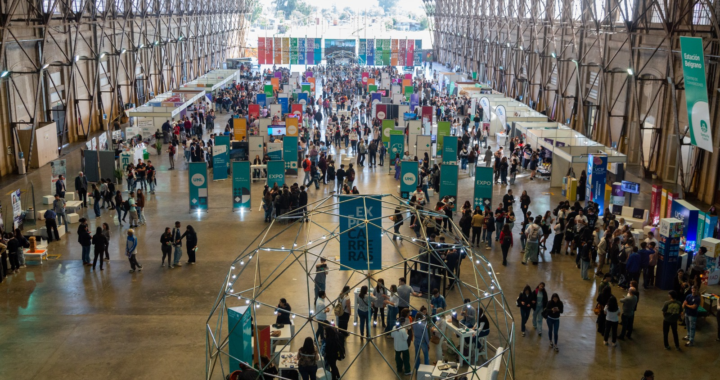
402, 350
100, 244
131, 251
51, 226
477, 223
140, 205
541, 301
59, 208
307, 358
404, 292
553, 309
106, 233
191, 242
11, 246
364, 302
60, 186
691, 304
334, 350
671, 314
629, 303
321, 310
150, 176
344, 301
22, 244
177, 244
171, 155
85, 240
526, 302
421, 339
320, 277
611, 320
166, 244
133, 210
506, 241
81, 185
96, 200
340, 177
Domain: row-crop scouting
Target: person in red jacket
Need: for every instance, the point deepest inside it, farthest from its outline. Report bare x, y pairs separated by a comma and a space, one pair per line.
506, 241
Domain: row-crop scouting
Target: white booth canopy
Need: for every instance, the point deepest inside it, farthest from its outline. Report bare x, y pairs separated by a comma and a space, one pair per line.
167, 105
524, 126
212, 80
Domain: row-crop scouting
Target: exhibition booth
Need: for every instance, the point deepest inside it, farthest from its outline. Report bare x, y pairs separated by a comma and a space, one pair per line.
172, 105
213, 80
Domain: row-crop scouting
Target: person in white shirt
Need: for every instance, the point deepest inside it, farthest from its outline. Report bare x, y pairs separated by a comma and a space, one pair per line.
402, 351
651, 239
321, 310
419, 196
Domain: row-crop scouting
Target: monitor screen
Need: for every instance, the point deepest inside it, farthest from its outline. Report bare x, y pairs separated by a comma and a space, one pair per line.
421, 282
630, 187
276, 131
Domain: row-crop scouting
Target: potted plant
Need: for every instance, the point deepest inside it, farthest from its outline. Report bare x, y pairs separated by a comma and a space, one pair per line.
118, 176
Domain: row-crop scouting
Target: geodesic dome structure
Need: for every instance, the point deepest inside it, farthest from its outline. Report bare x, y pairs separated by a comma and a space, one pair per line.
281, 262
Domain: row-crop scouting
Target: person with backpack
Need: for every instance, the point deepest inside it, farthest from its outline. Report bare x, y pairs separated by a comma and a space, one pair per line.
307, 166
342, 308
533, 232
350, 175
506, 241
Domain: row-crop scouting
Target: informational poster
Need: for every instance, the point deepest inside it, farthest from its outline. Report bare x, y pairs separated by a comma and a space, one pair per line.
268, 91
310, 51
102, 142
302, 98
241, 185
221, 157
449, 182
397, 146
254, 111
58, 168
423, 145
269, 52
276, 173
291, 126
290, 155
596, 180
696, 94
408, 178
17, 208
261, 50
483, 188
387, 128
240, 336
318, 51
449, 152
255, 148
443, 129
284, 105
274, 151
239, 128
360, 241
198, 185
370, 52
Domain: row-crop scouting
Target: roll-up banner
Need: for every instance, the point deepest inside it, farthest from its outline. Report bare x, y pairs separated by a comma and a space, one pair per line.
255, 148
483, 188
423, 145
449, 152
291, 126
290, 155
241, 185
449, 182
397, 146
261, 100
220, 157
387, 128
596, 178
696, 94
284, 105
443, 129
254, 111
268, 91
198, 186
360, 242
274, 151
276, 173
502, 116
408, 176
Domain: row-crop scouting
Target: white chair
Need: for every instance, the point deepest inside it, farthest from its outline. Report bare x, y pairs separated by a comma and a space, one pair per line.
490, 372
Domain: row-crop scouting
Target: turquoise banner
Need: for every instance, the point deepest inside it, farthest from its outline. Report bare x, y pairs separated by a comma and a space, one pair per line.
696, 94
361, 242
198, 185
397, 145
449, 152
276, 173
221, 157
409, 180
241, 185
290, 154
449, 182
483, 188
443, 129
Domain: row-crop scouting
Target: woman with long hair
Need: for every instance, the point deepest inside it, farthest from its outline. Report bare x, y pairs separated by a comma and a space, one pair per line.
378, 304
100, 243
506, 241
553, 309
526, 302
307, 358
541, 301
612, 312
363, 310
333, 350
191, 243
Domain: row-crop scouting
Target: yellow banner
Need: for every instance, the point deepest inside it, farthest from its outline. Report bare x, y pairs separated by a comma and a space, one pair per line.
239, 128
291, 126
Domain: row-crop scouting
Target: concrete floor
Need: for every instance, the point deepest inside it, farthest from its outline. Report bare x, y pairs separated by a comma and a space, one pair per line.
64, 321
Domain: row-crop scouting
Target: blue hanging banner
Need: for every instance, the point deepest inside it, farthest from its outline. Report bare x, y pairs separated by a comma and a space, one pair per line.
483, 188
397, 145
409, 180
449, 150
261, 100
276, 173
302, 98
449, 181
198, 186
241, 185
220, 157
376, 97
596, 178
284, 105
360, 242
290, 154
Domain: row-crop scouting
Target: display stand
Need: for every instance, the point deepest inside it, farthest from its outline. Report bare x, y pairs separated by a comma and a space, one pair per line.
669, 250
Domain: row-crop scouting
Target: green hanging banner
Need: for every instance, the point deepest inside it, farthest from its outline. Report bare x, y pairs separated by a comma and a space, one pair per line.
269, 90
241, 185
443, 129
696, 96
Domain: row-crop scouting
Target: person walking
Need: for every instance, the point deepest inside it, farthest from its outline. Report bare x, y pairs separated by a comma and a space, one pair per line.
177, 244
690, 306
526, 301
131, 251
51, 226
140, 205
533, 233
60, 186
166, 244
191, 243
106, 233
97, 197
334, 350
81, 185
11, 247
671, 314
321, 310
307, 358
100, 245
506, 241
553, 310
611, 320
541, 301
85, 240
402, 350
133, 210
120, 207
59, 208
22, 244
364, 300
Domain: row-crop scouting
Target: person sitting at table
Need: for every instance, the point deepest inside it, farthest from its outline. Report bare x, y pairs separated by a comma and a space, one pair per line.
307, 358
283, 312
468, 314
482, 320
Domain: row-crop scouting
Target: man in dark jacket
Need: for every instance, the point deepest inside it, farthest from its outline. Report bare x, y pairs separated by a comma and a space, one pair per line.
60, 186
302, 202
51, 226
81, 185
372, 152
85, 240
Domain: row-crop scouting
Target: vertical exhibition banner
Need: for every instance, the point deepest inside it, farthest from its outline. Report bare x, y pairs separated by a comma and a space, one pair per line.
394, 52
655, 204
387, 127
312, 81
483, 188
449, 182
502, 116
305, 87
274, 150
397, 145
379, 52
371, 52
58, 168
443, 129
261, 100
409, 180
310, 51
293, 51
241, 185
276, 173
402, 54
17, 208
409, 60
365, 77
301, 51
290, 154
485, 104
696, 95
302, 98
414, 101
239, 128
423, 145
408, 92
269, 52
596, 178
297, 111
360, 242
318, 51
278, 50
449, 152
284, 105
220, 157
362, 51
254, 111
268, 91
198, 186
261, 50
286, 51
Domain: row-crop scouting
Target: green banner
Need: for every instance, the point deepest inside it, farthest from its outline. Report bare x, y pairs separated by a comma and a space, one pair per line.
387, 128
443, 129
293, 51
483, 188
409, 91
221, 157
474, 75
241, 185
269, 90
409, 180
449, 152
696, 97
290, 154
449, 182
276, 173
372, 88
397, 144
198, 185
